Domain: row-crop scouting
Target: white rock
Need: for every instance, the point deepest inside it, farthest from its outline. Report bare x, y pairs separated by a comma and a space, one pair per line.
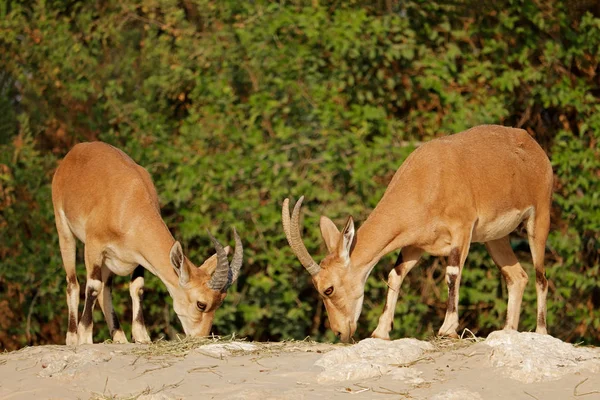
460, 394
369, 358
530, 357
225, 349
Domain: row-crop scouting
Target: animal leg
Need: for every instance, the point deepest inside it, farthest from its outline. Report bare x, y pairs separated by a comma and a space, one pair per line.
68, 249
456, 261
407, 259
93, 286
105, 302
136, 290
515, 276
537, 231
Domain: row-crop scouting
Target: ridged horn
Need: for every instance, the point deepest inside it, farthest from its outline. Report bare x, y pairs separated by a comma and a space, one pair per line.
238, 255
294, 238
220, 278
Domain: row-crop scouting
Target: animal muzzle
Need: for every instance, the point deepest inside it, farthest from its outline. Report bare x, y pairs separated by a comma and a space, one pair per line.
197, 328
346, 334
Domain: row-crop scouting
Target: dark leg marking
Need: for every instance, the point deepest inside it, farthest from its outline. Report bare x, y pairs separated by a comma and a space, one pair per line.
454, 257
138, 272
399, 260
96, 273
71, 286
90, 300
115, 321
113, 315
453, 261
72, 324
540, 278
72, 280
451, 292
541, 319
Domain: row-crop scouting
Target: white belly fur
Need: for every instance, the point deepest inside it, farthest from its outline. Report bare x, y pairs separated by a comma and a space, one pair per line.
120, 262
500, 226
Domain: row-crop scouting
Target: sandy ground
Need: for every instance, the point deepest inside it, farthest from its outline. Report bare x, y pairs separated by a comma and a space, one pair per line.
441, 369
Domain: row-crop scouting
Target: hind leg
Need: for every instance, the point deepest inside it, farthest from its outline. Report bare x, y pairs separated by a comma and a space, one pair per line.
68, 248
105, 301
93, 286
515, 276
537, 231
456, 260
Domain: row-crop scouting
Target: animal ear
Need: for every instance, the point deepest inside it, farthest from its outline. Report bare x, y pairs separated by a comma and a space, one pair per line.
347, 243
210, 264
330, 233
177, 261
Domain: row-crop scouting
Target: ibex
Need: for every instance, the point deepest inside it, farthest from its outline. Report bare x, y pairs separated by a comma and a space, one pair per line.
473, 186
106, 200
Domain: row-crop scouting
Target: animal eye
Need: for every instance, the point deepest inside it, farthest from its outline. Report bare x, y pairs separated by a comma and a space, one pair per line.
201, 306
328, 291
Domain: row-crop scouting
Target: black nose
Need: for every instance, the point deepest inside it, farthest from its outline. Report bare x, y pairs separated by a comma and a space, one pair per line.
338, 334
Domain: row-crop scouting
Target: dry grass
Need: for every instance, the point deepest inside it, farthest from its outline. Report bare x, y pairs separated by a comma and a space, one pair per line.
184, 345
146, 392
466, 339
179, 347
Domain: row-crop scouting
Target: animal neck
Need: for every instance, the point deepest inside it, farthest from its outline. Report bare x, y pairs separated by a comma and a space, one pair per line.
155, 243
380, 234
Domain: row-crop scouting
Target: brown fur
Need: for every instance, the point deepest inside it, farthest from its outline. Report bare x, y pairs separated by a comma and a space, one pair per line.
474, 186
102, 197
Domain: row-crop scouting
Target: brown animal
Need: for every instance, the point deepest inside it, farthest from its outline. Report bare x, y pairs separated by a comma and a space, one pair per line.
102, 197
474, 186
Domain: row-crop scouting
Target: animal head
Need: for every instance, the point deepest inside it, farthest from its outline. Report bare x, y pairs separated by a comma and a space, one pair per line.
342, 290
203, 289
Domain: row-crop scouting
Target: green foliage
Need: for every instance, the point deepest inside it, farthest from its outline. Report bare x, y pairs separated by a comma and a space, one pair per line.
233, 106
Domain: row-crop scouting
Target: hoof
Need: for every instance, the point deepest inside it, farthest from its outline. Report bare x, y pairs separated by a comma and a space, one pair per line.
452, 334
85, 335
376, 335
119, 337
141, 337
541, 331
71, 339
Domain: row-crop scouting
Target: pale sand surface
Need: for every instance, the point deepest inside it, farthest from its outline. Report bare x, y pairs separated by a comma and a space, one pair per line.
442, 369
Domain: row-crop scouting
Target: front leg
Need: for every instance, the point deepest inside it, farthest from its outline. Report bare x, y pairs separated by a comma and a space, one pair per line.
105, 301
136, 290
407, 259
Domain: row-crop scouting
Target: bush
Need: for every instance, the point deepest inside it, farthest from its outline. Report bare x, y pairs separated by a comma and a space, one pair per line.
233, 106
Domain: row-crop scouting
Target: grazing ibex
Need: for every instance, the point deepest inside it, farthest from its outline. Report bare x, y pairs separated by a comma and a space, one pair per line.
106, 200
474, 186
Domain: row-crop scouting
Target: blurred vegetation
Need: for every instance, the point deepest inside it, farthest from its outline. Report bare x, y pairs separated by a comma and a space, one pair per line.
234, 105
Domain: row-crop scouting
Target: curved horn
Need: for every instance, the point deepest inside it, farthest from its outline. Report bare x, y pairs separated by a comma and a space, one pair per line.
292, 233
238, 255
219, 278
